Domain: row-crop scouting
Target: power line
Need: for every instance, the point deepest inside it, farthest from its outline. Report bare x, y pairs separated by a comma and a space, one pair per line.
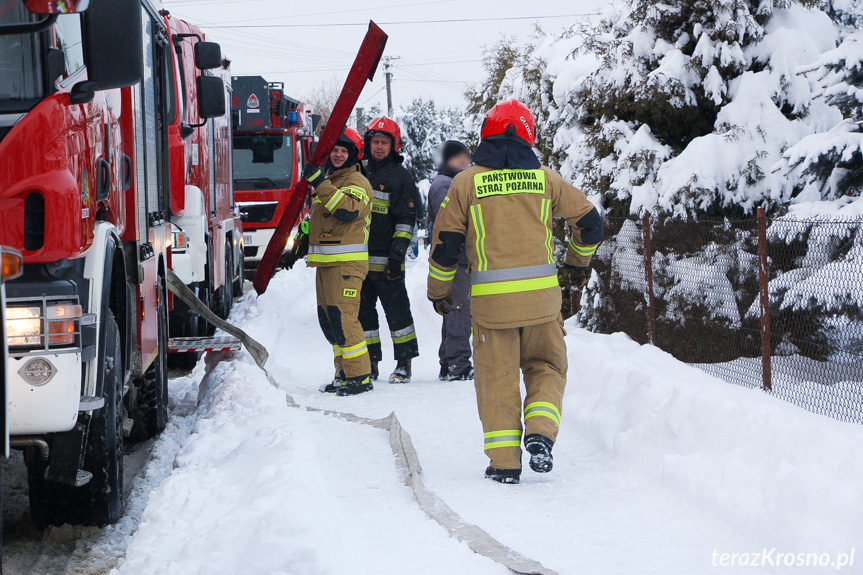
451, 21
366, 9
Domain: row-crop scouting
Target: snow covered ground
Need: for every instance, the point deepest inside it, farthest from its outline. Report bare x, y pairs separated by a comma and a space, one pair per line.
660, 468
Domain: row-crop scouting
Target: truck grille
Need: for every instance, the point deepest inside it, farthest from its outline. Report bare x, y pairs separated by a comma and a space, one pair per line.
257, 212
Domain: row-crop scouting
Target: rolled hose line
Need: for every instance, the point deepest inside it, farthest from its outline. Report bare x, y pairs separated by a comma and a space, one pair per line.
407, 459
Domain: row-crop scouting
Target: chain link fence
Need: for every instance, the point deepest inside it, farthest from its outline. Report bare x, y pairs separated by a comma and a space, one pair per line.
776, 303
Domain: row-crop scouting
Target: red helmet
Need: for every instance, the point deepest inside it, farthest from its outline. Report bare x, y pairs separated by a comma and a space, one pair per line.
508, 121
351, 137
387, 127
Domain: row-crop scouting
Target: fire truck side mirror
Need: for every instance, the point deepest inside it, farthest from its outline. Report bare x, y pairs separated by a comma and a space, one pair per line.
55, 7
113, 46
208, 55
211, 97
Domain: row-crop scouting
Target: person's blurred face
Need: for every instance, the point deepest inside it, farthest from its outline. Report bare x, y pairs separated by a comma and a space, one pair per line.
381, 146
339, 156
459, 162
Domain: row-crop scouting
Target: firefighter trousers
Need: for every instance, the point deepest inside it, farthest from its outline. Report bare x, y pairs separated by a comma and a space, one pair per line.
397, 307
338, 312
499, 356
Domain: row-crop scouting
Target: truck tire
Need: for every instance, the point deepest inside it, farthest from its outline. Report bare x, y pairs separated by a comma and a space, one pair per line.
151, 412
100, 501
241, 275
224, 296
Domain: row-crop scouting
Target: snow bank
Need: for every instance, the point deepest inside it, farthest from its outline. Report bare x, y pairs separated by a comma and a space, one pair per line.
782, 476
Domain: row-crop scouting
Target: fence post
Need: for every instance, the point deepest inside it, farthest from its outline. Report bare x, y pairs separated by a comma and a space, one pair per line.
763, 281
648, 278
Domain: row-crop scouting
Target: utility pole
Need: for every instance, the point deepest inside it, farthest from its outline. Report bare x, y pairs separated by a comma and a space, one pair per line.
389, 76
360, 114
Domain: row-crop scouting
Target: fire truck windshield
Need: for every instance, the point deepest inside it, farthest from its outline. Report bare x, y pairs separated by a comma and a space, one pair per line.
263, 161
20, 61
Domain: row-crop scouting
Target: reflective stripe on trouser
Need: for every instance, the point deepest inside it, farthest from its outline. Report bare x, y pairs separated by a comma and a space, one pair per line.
338, 297
394, 299
499, 356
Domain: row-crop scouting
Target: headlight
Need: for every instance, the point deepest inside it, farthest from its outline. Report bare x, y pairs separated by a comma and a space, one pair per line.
23, 326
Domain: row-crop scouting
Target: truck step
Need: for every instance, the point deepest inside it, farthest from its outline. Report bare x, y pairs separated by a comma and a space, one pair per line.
199, 344
90, 403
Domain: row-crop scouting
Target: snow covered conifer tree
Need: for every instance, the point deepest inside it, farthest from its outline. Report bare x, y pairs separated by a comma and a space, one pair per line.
687, 71
828, 165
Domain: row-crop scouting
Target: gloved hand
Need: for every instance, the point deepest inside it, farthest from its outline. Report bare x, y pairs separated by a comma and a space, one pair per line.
314, 174
394, 270
443, 306
576, 276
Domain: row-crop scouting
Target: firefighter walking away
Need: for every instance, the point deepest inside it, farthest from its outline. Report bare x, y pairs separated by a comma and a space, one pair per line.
338, 247
502, 210
394, 215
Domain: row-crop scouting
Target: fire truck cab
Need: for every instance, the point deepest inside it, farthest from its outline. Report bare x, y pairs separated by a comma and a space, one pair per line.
87, 117
207, 249
273, 134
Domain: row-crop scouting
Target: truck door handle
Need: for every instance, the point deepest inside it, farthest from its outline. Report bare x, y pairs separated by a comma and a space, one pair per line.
103, 180
127, 172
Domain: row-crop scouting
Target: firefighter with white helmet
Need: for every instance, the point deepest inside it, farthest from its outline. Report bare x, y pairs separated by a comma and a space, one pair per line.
502, 209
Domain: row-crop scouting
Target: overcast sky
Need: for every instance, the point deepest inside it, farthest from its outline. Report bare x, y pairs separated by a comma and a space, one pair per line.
436, 59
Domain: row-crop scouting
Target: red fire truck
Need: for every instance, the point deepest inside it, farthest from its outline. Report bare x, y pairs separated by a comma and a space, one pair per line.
207, 249
88, 114
273, 136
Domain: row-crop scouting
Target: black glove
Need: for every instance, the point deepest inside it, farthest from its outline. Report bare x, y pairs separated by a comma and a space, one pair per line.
443, 306
395, 270
314, 174
576, 276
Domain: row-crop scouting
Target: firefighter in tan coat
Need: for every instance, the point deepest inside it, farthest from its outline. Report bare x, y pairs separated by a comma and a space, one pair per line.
338, 247
502, 209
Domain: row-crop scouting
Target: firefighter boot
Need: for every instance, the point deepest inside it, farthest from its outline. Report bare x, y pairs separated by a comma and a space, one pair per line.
355, 386
539, 447
506, 476
402, 372
375, 371
338, 381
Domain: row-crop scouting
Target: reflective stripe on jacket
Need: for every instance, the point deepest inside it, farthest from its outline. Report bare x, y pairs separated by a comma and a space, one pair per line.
339, 222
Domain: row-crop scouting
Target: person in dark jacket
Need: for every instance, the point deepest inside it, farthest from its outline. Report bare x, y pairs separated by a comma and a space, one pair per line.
454, 352
394, 215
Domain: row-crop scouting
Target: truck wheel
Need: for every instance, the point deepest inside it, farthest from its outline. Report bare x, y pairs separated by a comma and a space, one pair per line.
151, 412
224, 294
100, 501
241, 275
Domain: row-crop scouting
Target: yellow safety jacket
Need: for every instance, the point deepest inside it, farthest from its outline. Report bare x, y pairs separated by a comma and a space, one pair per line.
339, 222
506, 219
